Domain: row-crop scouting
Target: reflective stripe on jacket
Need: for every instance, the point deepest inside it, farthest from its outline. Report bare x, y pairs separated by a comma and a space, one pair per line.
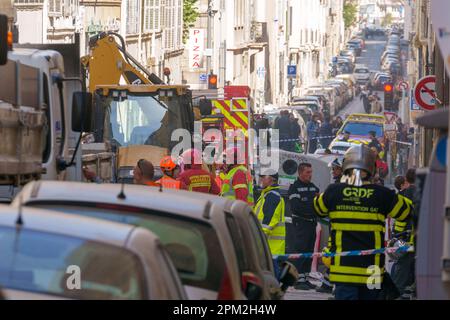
169, 183
270, 210
357, 219
228, 190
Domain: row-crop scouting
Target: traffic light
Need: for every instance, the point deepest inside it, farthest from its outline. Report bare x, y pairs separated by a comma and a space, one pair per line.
212, 81
388, 97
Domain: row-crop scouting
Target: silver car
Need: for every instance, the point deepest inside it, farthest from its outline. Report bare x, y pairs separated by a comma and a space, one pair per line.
191, 226
49, 255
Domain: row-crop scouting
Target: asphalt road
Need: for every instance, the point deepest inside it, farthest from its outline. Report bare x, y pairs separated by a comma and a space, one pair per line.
371, 58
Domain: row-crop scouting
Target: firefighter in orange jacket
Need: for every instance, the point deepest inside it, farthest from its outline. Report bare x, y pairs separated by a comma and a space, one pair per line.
168, 168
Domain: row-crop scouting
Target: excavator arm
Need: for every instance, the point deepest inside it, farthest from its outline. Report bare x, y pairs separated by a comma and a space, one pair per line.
109, 62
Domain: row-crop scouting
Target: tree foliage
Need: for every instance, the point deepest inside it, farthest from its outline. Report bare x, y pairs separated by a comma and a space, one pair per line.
387, 20
190, 15
350, 14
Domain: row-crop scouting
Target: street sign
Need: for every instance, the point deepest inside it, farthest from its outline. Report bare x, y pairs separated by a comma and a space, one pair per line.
403, 86
203, 77
412, 103
425, 92
291, 71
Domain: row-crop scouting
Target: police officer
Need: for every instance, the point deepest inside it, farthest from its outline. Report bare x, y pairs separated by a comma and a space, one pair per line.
304, 222
357, 210
270, 209
336, 170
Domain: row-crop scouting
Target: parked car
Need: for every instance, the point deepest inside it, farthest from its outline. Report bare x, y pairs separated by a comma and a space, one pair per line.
194, 228
300, 113
380, 79
349, 54
361, 74
354, 46
116, 261
303, 109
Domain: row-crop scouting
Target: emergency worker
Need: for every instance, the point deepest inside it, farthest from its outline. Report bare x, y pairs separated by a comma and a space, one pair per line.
357, 210
237, 182
193, 177
168, 167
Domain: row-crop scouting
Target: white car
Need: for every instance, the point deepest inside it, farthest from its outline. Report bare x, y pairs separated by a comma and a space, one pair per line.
361, 74
52, 255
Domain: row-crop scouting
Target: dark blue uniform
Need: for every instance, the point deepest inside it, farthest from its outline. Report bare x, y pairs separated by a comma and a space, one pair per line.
301, 233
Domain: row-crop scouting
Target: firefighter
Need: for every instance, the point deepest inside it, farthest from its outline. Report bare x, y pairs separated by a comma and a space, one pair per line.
193, 177
237, 182
327, 287
357, 210
168, 168
270, 209
304, 222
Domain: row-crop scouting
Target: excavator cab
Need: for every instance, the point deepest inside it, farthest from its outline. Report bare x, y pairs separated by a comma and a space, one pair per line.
135, 112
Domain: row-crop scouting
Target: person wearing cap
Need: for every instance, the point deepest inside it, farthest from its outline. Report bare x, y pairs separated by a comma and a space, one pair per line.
336, 170
357, 210
168, 168
237, 182
270, 210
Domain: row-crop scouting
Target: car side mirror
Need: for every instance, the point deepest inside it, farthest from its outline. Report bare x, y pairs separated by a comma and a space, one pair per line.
288, 275
252, 286
205, 106
82, 112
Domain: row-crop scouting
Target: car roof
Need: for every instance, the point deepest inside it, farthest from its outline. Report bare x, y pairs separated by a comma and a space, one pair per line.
194, 204
69, 225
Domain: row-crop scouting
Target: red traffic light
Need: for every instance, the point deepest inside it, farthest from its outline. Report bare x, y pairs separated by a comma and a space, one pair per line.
212, 81
388, 87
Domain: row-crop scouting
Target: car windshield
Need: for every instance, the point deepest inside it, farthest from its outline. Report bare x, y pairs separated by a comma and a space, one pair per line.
363, 128
43, 263
192, 245
361, 71
139, 120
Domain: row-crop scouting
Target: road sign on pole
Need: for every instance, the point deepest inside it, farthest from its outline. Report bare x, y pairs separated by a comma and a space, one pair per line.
425, 93
403, 86
291, 71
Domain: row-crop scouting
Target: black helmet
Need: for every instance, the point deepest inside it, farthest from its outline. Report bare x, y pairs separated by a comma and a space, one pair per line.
359, 157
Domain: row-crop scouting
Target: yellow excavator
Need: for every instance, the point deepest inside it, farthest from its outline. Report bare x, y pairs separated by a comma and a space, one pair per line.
135, 112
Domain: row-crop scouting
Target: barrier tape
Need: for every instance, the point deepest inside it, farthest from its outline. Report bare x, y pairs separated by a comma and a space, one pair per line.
345, 254
301, 140
401, 142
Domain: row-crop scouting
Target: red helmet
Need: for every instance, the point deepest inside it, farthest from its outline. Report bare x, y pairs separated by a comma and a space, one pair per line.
167, 164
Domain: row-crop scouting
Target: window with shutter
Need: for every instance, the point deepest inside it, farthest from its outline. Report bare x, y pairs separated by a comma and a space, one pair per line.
132, 16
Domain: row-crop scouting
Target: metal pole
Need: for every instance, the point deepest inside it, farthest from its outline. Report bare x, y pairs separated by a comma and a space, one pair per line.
208, 36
